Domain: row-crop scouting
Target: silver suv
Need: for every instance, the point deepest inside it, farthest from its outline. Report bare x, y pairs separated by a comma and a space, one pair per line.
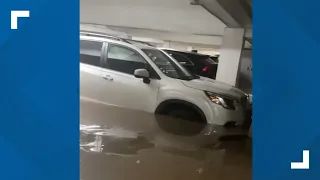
138, 76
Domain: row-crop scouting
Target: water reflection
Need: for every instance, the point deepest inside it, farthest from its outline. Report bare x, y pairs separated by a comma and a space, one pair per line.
114, 141
124, 144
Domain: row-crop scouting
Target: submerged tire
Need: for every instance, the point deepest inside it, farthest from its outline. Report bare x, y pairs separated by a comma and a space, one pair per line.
186, 114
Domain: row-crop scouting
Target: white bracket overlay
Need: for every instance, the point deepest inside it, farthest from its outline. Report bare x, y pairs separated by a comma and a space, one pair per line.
15, 15
305, 161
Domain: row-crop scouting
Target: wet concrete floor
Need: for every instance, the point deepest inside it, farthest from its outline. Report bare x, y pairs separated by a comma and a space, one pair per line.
121, 144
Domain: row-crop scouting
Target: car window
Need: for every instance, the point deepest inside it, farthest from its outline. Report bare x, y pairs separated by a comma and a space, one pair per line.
215, 59
211, 61
168, 66
181, 58
124, 59
90, 52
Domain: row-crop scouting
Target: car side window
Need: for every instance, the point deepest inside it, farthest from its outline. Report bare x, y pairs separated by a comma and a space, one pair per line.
181, 59
124, 59
90, 52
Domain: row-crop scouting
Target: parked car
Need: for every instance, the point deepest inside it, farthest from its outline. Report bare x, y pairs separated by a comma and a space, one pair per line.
215, 58
141, 77
196, 63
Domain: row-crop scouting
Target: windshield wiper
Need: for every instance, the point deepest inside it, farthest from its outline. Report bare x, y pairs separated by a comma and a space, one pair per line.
196, 76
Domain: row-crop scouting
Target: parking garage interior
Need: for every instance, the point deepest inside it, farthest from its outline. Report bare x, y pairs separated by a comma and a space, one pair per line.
121, 143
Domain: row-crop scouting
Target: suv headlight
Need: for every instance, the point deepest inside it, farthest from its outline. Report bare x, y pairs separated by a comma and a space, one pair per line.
225, 102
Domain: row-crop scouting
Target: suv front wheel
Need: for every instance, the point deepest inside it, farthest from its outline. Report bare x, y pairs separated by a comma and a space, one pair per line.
184, 114
182, 110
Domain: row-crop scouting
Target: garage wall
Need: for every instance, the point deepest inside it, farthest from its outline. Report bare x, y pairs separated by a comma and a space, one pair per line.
102, 29
209, 51
205, 49
170, 36
245, 71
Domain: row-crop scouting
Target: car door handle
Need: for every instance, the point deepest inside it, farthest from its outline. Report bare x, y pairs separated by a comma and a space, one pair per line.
108, 77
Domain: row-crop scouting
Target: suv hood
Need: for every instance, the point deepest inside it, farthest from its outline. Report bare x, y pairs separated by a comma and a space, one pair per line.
220, 88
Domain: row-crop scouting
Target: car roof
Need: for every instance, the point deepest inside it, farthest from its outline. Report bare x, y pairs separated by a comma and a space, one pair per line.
185, 52
131, 41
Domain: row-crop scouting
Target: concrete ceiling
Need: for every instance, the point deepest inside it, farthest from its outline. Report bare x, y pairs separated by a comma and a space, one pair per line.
160, 15
234, 13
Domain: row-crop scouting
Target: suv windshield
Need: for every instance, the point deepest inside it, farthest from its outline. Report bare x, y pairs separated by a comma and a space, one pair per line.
168, 66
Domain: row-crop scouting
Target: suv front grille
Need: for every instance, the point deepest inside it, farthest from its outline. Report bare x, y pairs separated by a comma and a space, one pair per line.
248, 119
244, 101
229, 103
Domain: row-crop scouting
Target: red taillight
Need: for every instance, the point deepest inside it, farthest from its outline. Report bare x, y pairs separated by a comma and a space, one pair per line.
205, 69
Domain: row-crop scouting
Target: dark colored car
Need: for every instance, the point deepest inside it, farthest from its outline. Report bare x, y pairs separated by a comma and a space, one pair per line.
196, 63
215, 58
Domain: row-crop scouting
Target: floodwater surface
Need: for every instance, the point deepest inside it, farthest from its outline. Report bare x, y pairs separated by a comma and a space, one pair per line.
122, 144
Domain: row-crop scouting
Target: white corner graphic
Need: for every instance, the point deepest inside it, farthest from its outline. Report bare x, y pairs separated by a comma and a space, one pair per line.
305, 161
15, 15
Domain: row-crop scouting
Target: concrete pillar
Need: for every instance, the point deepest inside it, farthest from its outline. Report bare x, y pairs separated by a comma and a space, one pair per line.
230, 53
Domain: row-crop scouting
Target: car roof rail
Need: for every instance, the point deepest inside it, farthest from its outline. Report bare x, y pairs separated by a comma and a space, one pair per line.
131, 41
97, 34
88, 33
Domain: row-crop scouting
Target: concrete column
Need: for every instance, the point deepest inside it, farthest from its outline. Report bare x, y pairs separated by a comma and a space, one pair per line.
230, 53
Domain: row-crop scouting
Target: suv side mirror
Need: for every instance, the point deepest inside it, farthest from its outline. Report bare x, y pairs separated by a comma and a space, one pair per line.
142, 73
